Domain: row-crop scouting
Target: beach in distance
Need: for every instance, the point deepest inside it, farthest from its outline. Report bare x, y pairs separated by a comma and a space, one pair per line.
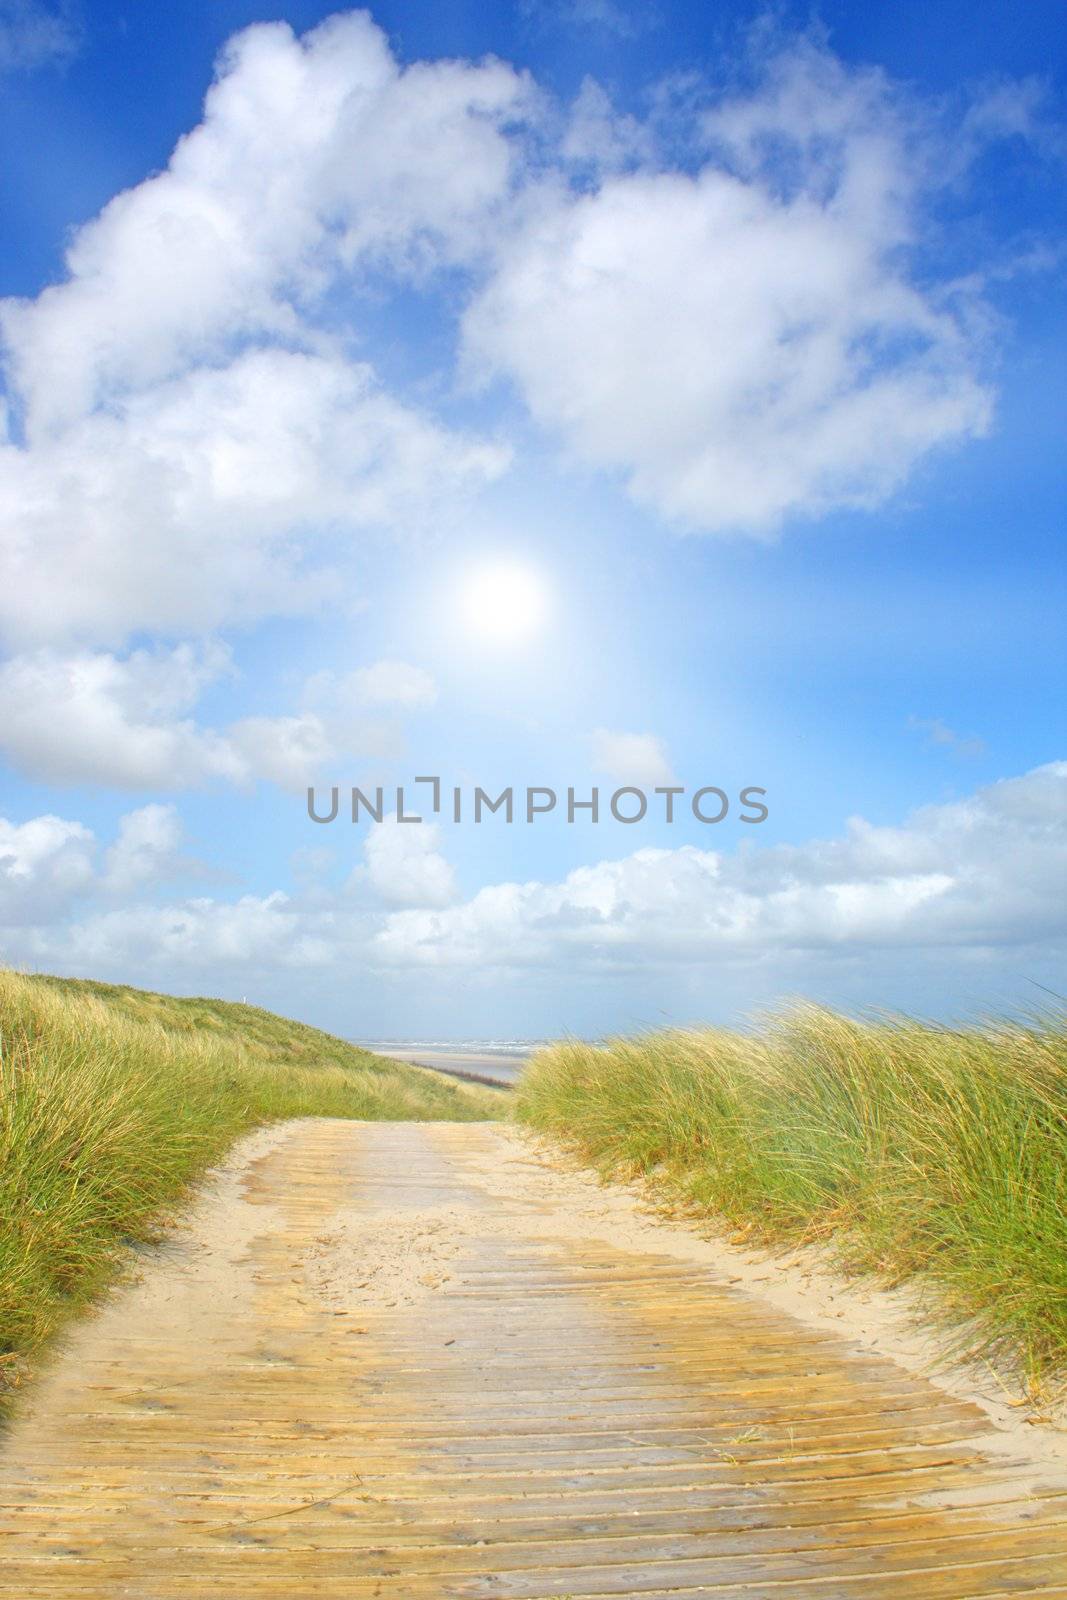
491, 1060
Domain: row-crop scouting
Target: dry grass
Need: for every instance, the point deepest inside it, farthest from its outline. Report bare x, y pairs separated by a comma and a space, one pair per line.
911, 1150
112, 1101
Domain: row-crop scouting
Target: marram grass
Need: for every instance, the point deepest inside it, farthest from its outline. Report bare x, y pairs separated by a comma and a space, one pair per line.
914, 1151
113, 1100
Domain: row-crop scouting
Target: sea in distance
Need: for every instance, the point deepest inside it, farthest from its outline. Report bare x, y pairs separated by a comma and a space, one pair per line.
494, 1060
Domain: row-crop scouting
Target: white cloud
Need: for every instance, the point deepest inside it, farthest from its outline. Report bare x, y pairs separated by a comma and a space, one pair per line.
404, 866
49, 862
190, 442
215, 496
289, 751
391, 683
186, 444
990, 871
249, 934
32, 34
1012, 108
344, 698
984, 877
742, 342
120, 722
633, 758
96, 718
597, 137
312, 153
147, 849
44, 863
310, 746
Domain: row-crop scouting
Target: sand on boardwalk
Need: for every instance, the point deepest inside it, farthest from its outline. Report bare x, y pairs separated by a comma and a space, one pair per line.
385, 1258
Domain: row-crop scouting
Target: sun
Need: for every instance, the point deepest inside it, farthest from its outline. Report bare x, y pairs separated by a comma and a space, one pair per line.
504, 602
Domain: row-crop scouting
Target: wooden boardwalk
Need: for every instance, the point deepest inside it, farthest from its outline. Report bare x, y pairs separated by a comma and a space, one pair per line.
550, 1417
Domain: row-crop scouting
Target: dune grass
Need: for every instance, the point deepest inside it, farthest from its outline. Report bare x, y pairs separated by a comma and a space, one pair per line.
913, 1151
113, 1100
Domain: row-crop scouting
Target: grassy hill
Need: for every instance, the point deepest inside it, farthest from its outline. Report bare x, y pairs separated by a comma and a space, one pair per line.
113, 1100
912, 1151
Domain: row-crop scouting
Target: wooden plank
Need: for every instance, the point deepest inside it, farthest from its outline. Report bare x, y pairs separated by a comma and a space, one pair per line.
599, 1423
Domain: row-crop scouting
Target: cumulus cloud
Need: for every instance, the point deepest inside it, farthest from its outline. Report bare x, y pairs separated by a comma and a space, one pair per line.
215, 496
288, 751
98, 718
253, 933
340, 719
633, 758
735, 327
186, 444
313, 153
404, 866
49, 862
988, 871
598, 139
744, 341
44, 864
982, 876
123, 722
148, 849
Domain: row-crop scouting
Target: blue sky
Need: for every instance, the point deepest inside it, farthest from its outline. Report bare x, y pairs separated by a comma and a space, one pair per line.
731, 339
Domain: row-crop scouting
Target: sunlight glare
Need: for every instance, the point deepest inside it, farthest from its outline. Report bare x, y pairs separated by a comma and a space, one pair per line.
505, 603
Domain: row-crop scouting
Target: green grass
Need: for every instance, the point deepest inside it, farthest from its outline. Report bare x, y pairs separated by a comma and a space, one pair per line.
913, 1151
113, 1100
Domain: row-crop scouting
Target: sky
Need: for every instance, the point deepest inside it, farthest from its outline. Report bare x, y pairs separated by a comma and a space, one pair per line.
565, 394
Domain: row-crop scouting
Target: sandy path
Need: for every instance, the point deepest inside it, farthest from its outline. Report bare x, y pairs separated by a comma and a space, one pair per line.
414, 1361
